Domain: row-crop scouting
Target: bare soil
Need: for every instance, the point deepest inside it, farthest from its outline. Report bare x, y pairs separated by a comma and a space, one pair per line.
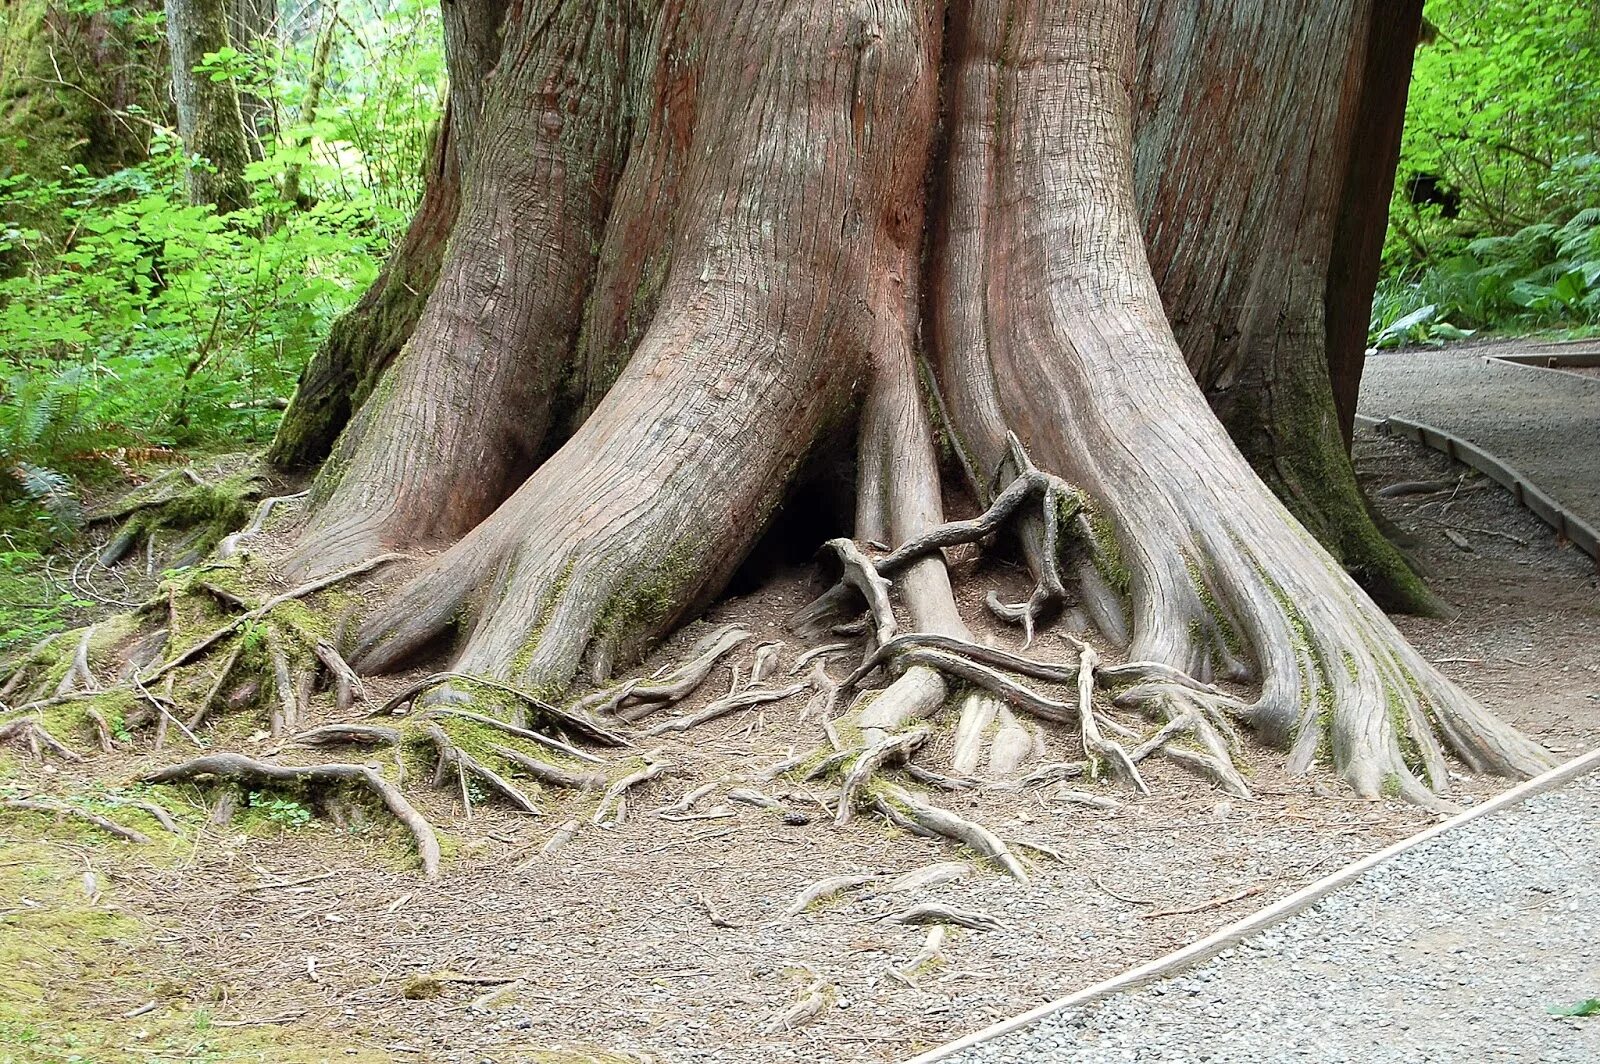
610, 941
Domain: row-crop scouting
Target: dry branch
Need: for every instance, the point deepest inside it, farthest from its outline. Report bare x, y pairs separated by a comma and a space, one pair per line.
39, 805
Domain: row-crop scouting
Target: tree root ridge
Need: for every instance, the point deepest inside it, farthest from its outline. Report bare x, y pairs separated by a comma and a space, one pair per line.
245, 771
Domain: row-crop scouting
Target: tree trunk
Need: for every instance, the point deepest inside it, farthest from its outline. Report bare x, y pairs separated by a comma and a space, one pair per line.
209, 117
365, 340
68, 79
689, 256
1248, 162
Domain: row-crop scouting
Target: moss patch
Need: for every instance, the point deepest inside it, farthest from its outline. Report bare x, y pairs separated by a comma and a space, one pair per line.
72, 966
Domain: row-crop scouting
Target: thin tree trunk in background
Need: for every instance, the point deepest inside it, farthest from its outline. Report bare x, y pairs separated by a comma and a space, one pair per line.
1364, 205
209, 117
1249, 163
315, 82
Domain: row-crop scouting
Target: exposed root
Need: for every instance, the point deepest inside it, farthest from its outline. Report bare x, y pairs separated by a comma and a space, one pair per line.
861, 574
354, 734
930, 955
930, 912
215, 690
310, 588
233, 544
60, 809
921, 879
893, 748
78, 677
903, 808
36, 738
466, 766
577, 723
761, 800
633, 701
520, 732
286, 717
347, 686
614, 802
1096, 746
729, 703
824, 889
810, 1005
245, 772
546, 773
686, 804
767, 655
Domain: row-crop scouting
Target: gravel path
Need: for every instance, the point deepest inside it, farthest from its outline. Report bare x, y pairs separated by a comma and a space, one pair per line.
1544, 423
1450, 952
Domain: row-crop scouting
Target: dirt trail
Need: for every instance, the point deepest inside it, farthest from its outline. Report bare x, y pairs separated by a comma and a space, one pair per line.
610, 943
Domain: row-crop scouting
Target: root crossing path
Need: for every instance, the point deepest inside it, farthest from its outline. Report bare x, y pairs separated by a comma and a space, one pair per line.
1457, 950
1543, 423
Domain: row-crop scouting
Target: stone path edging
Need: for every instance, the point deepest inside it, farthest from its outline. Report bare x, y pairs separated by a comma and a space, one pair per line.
1579, 532
1302, 899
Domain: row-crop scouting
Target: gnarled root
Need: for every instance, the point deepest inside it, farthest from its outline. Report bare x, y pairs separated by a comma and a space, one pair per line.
635, 700
248, 772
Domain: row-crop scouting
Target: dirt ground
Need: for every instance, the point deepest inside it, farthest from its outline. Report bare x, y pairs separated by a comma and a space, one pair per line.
256, 939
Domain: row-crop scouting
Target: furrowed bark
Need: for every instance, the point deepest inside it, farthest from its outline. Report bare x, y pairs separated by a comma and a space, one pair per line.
750, 360
460, 417
1248, 163
1090, 376
363, 343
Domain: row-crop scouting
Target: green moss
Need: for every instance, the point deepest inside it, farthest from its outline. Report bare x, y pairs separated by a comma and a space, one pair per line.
1221, 626
70, 966
1391, 786
1107, 554
523, 658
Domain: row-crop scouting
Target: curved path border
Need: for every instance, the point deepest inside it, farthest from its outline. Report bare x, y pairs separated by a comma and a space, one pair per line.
1302, 899
1578, 531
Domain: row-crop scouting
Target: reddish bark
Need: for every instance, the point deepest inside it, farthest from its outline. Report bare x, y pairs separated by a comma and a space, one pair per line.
1249, 163
705, 295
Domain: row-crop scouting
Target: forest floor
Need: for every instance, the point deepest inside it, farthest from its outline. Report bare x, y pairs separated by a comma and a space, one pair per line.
268, 937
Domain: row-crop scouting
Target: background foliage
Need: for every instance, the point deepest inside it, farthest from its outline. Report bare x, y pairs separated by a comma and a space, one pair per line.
134, 321
1495, 222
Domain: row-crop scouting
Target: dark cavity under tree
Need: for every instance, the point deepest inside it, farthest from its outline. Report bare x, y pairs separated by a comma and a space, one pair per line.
678, 257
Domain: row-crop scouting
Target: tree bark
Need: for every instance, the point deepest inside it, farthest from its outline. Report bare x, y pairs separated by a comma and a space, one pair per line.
1249, 161
365, 340
1085, 368
209, 116
689, 257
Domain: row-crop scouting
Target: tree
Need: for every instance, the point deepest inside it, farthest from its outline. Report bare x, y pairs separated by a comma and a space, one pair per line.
210, 117
78, 85
700, 252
